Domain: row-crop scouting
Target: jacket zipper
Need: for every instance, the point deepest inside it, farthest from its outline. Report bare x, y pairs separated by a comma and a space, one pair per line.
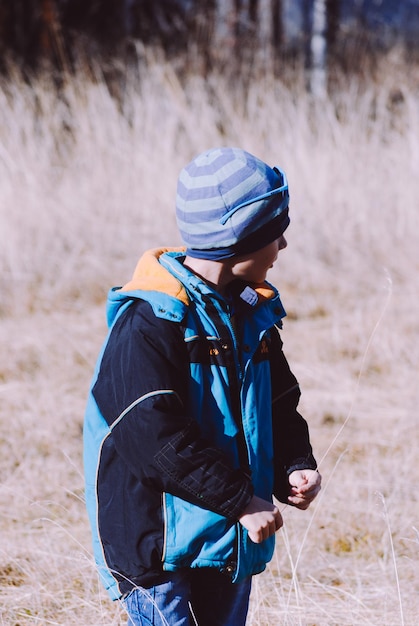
235, 378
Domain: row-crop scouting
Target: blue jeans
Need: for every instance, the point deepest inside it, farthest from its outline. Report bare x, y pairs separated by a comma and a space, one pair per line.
203, 597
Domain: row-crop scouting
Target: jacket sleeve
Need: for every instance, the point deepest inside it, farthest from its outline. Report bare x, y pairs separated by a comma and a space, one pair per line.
292, 448
141, 391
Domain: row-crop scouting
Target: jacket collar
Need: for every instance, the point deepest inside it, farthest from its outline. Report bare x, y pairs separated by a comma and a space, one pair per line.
248, 297
161, 279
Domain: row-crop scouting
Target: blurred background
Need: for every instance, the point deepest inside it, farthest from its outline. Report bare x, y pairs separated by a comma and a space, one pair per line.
323, 33
100, 91
102, 102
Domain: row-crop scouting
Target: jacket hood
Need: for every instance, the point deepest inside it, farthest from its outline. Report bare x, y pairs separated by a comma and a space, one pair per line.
150, 275
155, 284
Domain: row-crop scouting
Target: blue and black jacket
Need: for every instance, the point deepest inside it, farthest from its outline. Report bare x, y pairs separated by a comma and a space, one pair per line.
192, 410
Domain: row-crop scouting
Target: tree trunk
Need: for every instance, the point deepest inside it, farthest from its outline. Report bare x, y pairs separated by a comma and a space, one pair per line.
265, 34
225, 26
333, 22
277, 25
318, 51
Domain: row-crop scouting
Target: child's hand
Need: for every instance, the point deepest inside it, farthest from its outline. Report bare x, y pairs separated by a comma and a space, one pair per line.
305, 485
261, 519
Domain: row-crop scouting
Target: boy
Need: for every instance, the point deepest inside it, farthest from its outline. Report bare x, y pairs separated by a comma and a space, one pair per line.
192, 420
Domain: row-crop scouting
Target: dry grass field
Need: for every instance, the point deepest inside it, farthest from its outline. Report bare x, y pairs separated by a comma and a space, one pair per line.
87, 184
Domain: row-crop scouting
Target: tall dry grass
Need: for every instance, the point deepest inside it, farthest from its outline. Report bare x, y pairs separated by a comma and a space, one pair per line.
87, 183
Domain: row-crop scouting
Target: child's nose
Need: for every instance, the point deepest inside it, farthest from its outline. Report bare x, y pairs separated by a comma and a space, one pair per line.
282, 242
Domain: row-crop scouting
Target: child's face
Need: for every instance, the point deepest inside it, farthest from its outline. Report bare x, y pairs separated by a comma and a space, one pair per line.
254, 267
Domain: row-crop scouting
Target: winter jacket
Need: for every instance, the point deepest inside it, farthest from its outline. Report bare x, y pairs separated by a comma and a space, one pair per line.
192, 410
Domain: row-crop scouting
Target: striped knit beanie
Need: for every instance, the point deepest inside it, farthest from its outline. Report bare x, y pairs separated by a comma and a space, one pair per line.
230, 203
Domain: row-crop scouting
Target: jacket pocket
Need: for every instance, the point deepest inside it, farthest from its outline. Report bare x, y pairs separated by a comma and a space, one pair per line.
195, 537
252, 558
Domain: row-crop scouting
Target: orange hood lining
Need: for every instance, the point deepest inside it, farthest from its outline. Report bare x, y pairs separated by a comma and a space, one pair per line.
150, 275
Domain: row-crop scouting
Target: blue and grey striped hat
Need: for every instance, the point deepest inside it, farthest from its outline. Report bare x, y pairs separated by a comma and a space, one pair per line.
230, 203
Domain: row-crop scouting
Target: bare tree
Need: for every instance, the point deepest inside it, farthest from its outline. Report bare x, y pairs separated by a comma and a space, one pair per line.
203, 27
333, 22
315, 30
318, 47
226, 24
265, 32
277, 25
226, 21
20, 27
